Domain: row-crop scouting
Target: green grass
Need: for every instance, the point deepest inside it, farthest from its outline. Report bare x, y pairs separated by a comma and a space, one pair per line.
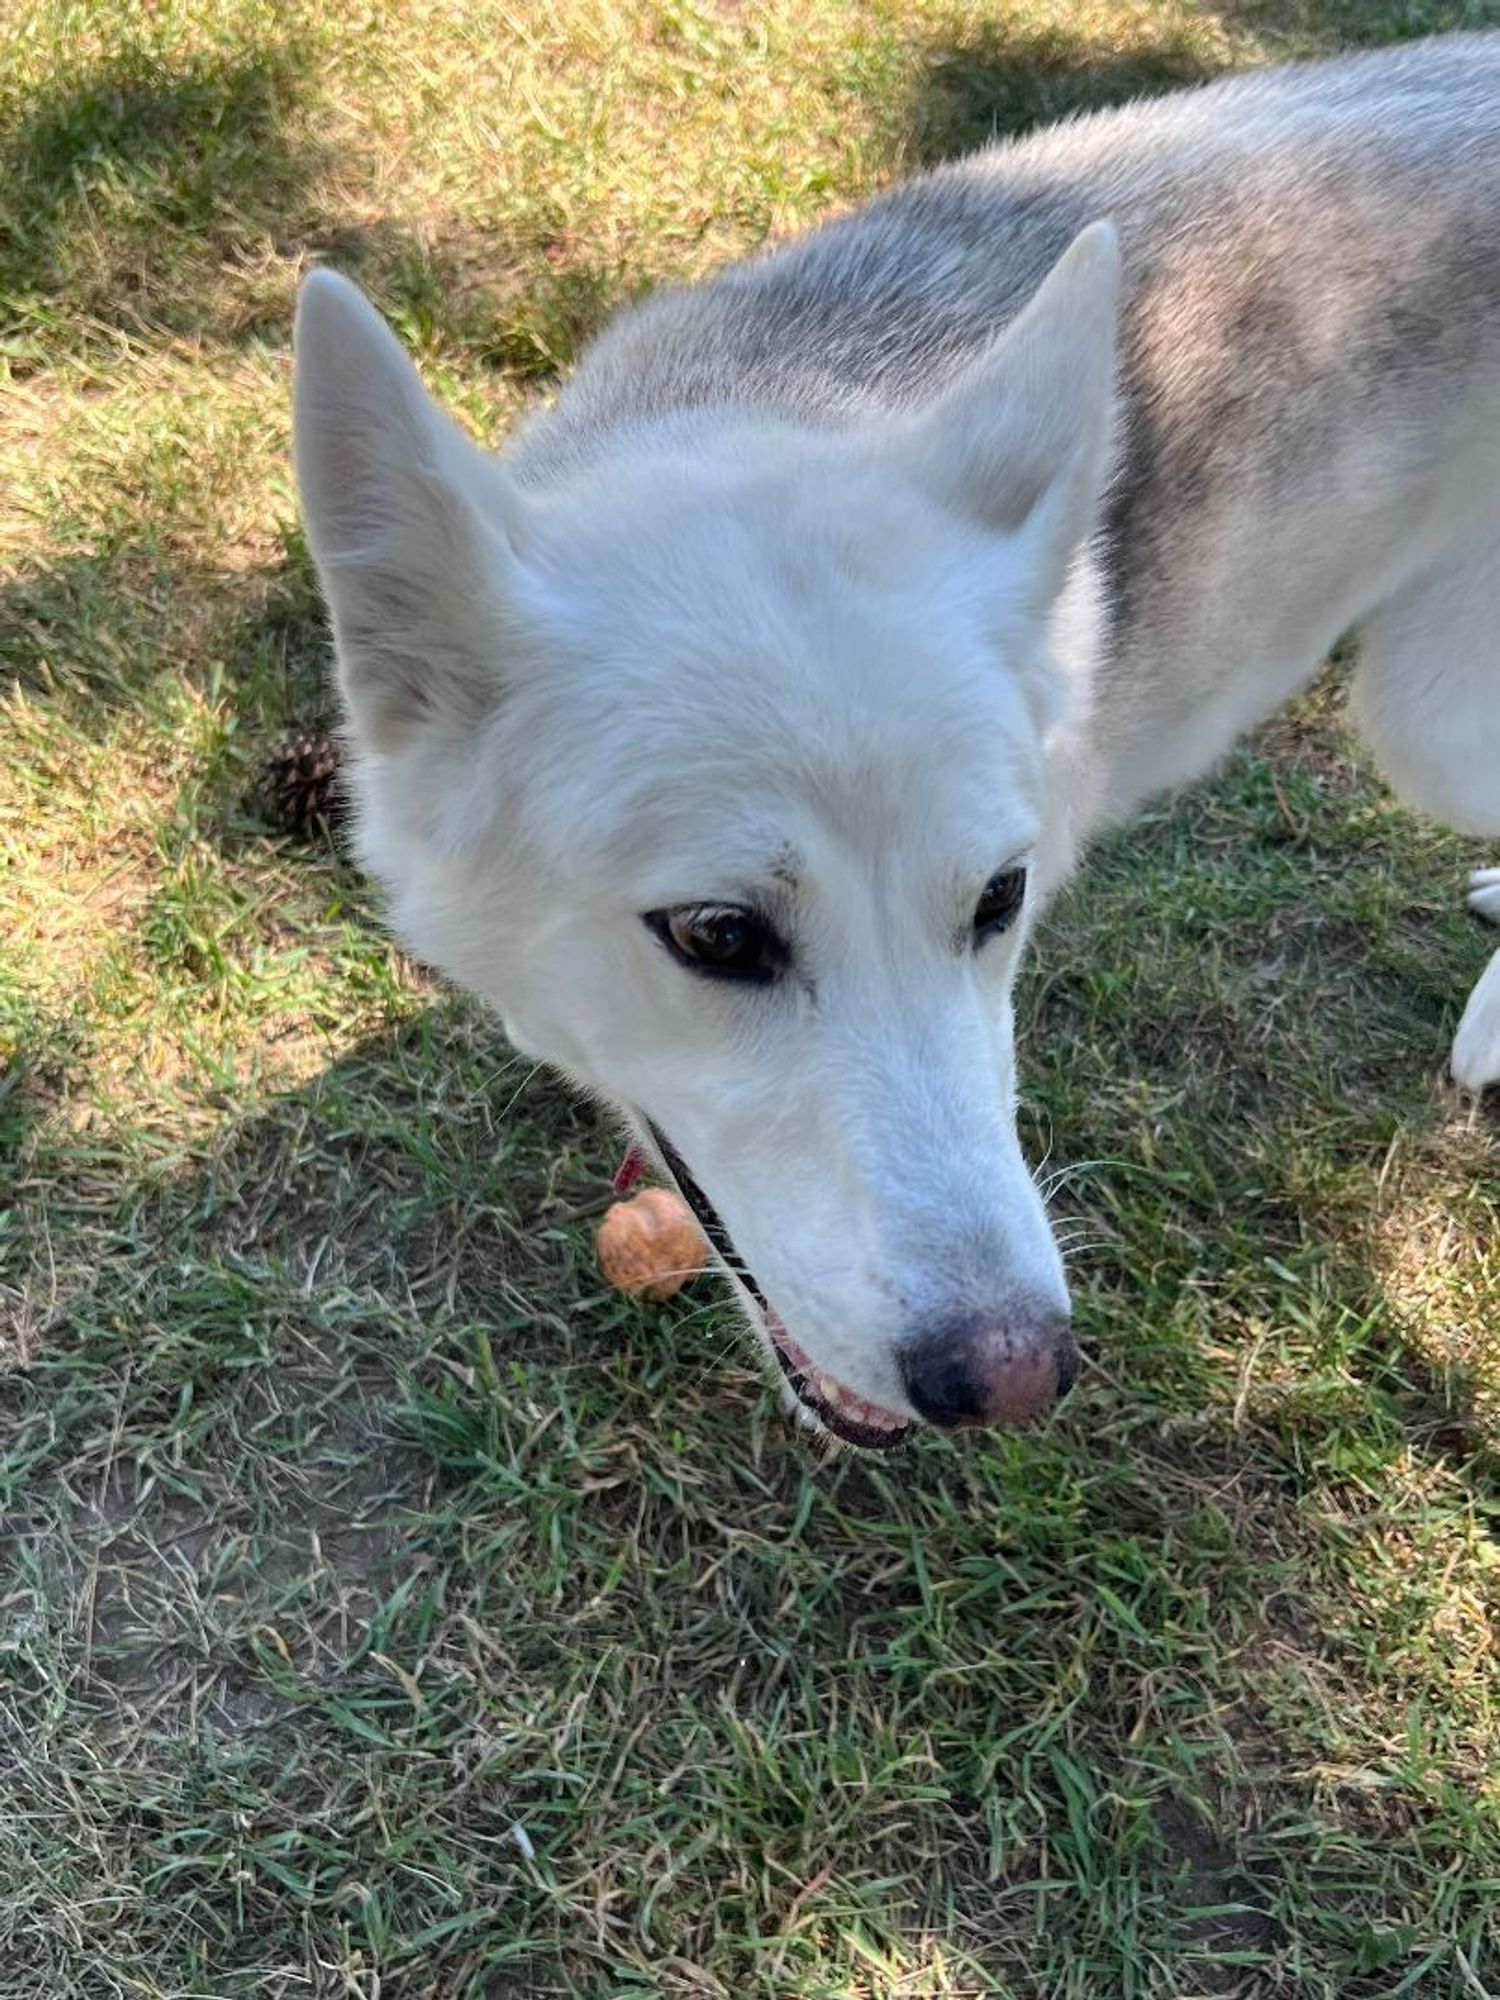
385, 1608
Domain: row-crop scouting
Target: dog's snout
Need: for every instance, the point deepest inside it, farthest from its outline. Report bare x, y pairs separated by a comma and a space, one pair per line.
995, 1369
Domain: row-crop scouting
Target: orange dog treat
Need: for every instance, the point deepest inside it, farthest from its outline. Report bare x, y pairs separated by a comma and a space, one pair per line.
651, 1245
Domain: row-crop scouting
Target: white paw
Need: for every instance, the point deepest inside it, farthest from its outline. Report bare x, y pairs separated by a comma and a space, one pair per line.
1476, 1046
1484, 893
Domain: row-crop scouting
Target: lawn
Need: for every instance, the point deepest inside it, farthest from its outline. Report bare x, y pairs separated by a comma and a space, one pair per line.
385, 1608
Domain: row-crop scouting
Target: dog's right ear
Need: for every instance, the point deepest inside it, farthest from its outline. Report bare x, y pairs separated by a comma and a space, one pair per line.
408, 521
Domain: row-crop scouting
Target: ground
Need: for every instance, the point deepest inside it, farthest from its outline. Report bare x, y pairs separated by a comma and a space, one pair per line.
384, 1608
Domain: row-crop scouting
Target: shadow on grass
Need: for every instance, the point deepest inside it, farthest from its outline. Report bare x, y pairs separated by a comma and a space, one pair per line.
133, 190
93, 636
1010, 78
1007, 80
367, 1403
141, 199
1323, 27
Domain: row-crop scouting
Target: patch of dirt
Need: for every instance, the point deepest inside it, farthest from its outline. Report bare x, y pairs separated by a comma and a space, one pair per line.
1211, 1876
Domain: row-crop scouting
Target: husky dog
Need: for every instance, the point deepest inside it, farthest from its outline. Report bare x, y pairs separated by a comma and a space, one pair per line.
729, 731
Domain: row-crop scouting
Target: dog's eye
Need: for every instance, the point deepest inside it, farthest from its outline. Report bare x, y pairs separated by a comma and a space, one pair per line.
720, 939
1000, 904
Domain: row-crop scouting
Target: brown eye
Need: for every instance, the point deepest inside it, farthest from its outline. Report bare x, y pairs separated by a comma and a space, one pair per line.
1000, 904
720, 940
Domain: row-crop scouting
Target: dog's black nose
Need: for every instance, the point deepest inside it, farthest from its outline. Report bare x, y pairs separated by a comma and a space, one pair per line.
990, 1368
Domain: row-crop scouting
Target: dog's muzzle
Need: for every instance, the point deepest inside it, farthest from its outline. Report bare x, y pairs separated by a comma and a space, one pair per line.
1000, 1368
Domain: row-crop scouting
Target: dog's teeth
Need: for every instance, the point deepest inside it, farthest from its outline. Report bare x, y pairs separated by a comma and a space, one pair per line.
832, 1393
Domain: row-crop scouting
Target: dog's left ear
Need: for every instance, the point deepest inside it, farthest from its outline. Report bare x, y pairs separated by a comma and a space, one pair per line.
1019, 442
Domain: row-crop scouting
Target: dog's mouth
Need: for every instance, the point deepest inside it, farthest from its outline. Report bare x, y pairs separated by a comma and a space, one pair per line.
850, 1417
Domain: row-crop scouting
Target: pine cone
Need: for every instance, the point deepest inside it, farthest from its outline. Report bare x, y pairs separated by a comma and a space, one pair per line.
300, 783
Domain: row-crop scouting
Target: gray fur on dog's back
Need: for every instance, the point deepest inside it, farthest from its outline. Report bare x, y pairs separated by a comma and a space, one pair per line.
1312, 267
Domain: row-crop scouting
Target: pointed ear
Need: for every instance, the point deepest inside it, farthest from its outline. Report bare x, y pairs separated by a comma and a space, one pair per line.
1019, 443
407, 519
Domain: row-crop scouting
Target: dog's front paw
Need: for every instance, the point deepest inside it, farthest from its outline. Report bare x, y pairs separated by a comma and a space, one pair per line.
1484, 894
1476, 1046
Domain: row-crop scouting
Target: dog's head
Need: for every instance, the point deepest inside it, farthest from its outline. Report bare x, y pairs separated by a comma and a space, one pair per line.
729, 769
